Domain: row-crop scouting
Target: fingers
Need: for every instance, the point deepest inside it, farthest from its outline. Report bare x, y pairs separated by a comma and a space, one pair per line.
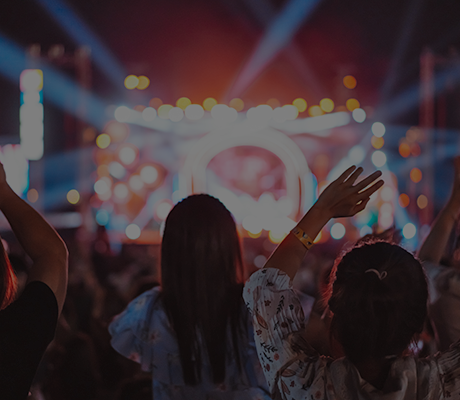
361, 206
367, 181
371, 190
352, 178
345, 174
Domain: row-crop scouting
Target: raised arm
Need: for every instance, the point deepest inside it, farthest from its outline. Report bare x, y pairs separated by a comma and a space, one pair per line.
435, 243
39, 240
342, 198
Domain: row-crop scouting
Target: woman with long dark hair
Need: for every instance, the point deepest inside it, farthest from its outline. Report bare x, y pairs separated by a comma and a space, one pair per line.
193, 332
377, 298
28, 322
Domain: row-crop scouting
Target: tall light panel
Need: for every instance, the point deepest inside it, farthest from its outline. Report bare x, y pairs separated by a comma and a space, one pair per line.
31, 129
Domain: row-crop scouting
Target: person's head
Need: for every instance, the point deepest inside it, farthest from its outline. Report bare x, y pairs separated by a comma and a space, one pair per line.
378, 296
201, 268
8, 280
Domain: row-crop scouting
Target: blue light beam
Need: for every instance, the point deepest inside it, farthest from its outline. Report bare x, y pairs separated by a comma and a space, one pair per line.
277, 36
82, 34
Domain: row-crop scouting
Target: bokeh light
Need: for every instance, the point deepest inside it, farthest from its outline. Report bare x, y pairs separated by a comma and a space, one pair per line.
194, 112
237, 104
117, 170
163, 209
273, 103
327, 105
379, 158
409, 230
127, 154
135, 182
404, 149
359, 115
102, 217
163, 111
73, 197
315, 111
338, 231
103, 141
155, 103
131, 82
133, 232
31, 80
415, 149
144, 83
352, 104
378, 129
357, 154
422, 201
149, 174
149, 114
300, 104
415, 175
349, 82
377, 142
209, 103
122, 114
32, 195
403, 200
387, 193
183, 103
176, 114
289, 112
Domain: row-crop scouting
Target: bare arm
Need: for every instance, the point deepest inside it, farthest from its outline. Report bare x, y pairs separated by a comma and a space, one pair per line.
435, 243
39, 240
340, 199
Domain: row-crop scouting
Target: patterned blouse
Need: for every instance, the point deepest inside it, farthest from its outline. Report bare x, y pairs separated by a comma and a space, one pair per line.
294, 371
143, 334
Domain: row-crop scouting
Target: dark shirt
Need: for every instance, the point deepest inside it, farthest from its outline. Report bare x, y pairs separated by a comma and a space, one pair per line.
27, 326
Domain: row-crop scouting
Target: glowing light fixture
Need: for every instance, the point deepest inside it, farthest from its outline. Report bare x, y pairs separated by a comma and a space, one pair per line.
176, 114
143, 83
359, 115
183, 103
194, 112
127, 154
338, 231
163, 111
103, 141
409, 230
133, 231
327, 105
131, 81
403, 200
349, 82
237, 104
378, 129
32, 195
31, 130
422, 201
377, 142
73, 197
379, 158
209, 103
415, 175
315, 111
352, 104
149, 174
149, 114
300, 104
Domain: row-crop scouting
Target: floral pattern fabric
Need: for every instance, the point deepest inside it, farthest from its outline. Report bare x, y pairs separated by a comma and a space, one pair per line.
143, 334
294, 371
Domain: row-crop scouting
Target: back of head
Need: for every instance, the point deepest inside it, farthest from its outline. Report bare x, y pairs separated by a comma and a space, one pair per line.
378, 296
201, 269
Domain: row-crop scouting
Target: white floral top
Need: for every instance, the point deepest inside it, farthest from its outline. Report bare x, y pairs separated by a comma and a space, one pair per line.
143, 334
295, 372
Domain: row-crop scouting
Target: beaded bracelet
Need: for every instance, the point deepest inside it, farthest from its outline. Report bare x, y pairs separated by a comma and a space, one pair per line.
300, 234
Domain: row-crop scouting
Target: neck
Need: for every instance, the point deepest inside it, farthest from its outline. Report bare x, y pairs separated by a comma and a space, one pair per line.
374, 371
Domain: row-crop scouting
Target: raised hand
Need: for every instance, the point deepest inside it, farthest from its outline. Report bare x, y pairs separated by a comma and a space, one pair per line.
344, 198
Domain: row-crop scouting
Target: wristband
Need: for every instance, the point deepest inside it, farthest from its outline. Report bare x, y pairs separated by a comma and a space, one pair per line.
303, 237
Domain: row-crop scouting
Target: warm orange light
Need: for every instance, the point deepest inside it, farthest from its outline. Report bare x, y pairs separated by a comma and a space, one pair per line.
273, 103
300, 104
103, 170
32, 195
415, 149
163, 111
403, 200
315, 111
117, 131
144, 83
404, 149
377, 142
140, 108
254, 235
327, 105
209, 103
131, 81
349, 82
352, 104
415, 175
422, 201
341, 109
183, 102
155, 103
237, 104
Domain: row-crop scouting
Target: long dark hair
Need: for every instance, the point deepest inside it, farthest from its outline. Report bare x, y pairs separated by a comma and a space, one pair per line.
202, 271
8, 280
378, 295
